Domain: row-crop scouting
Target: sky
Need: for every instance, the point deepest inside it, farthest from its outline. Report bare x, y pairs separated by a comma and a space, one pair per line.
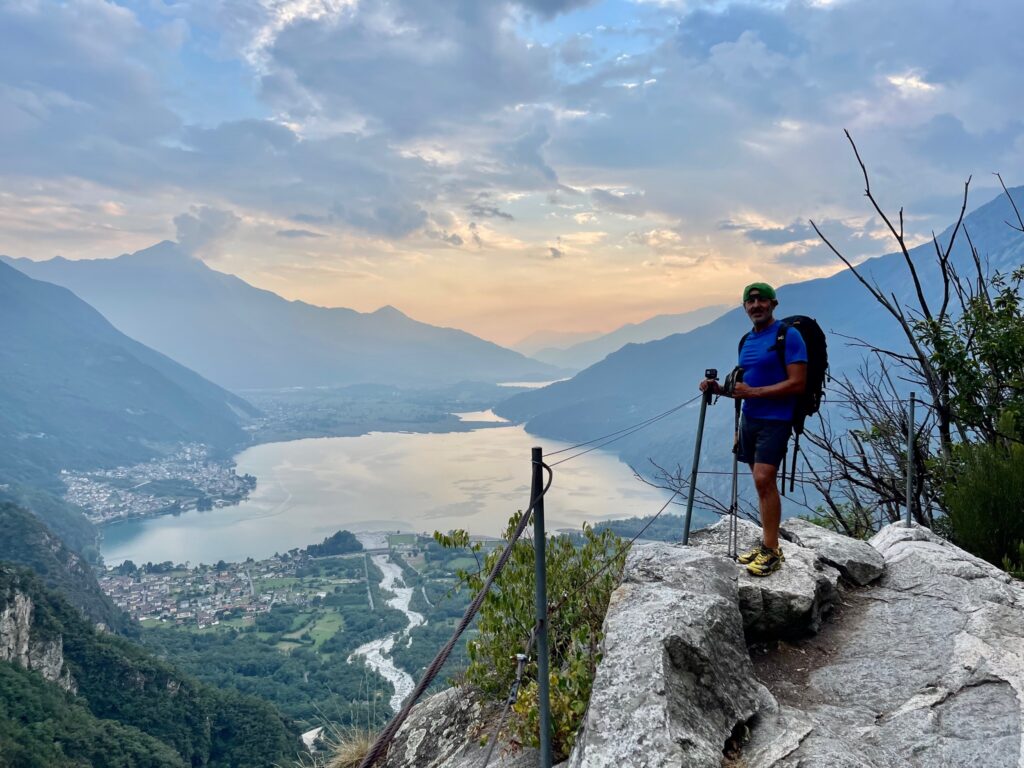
501, 167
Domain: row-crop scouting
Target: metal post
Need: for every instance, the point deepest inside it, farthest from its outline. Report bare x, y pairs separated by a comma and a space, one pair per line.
696, 463
910, 461
539, 548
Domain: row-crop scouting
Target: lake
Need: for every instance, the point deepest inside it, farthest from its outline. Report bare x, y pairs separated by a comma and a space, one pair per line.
308, 489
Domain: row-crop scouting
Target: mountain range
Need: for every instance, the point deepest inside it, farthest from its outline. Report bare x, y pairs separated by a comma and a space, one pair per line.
76, 392
642, 380
243, 337
583, 354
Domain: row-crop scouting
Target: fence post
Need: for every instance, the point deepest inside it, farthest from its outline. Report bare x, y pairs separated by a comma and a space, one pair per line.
540, 561
910, 461
696, 462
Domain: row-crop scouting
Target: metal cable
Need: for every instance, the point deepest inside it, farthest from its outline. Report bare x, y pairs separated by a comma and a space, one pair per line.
608, 563
641, 424
384, 740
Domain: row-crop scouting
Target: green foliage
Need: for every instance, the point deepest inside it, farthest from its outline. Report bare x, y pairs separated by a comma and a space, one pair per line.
122, 683
848, 518
667, 527
341, 543
43, 727
26, 541
979, 352
580, 584
985, 496
64, 519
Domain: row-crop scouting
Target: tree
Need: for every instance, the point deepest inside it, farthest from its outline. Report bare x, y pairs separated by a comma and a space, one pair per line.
582, 577
961, 352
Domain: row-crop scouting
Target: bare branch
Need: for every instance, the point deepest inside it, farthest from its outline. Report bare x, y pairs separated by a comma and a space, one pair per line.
1020, 221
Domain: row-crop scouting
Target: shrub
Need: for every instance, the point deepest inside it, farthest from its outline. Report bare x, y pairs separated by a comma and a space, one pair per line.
985, 497
580, 589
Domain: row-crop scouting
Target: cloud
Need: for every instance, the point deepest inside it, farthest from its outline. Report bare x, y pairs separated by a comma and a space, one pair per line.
404, 67
551, 8
296, 234
625, 203
204, 226
483, 211
798, 244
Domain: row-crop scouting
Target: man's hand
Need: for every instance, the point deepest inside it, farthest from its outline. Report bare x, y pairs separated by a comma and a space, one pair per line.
714, 386
741, 391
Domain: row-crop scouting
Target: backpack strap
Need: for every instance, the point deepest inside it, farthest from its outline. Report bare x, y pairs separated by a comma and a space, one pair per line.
780, 344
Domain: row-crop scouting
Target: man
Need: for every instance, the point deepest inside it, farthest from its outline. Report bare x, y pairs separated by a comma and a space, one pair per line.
768, 391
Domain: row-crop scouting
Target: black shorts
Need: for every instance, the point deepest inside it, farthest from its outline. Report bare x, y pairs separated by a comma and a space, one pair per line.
763, 441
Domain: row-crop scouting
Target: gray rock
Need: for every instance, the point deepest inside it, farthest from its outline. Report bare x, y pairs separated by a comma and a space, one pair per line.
675, 678
857, 561
20, 642
924, 668
447, 730
791, 602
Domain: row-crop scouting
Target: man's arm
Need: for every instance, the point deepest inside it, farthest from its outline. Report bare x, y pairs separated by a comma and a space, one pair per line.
794, 384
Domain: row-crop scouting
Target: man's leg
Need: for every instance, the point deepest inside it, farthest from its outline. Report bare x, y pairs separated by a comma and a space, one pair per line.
769, 502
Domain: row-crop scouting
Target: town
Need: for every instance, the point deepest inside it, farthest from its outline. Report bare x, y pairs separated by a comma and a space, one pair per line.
204, 595
186, 479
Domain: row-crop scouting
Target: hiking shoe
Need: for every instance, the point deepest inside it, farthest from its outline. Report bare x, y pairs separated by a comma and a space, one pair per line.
768, 561
750, 555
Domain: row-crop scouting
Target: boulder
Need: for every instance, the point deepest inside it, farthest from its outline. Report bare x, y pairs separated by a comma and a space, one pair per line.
925, 667
675, 680
857, 561
449, 730
790, 603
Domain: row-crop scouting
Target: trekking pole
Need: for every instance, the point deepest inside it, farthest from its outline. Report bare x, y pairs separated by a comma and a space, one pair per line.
710, 374
734, 504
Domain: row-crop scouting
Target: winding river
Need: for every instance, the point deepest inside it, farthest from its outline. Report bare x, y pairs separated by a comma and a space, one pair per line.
376, 653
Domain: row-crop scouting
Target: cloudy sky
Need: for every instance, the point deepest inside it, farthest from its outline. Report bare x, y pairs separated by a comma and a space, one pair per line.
499, 166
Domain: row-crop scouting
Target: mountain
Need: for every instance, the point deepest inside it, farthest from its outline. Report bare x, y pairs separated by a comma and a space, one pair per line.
642, 380
75, 392
587, 352
29, 543
72, 696
539, 340
243, 337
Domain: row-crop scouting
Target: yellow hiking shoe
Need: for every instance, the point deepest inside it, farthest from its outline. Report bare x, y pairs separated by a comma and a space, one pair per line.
767, 562
750, 555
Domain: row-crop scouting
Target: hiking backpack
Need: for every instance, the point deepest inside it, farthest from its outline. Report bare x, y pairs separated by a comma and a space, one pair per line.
809, 402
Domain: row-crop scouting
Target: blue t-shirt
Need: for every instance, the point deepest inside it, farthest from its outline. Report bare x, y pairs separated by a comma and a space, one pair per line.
761, 368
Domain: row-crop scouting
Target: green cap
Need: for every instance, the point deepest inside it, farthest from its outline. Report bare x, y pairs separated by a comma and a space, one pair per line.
763, 288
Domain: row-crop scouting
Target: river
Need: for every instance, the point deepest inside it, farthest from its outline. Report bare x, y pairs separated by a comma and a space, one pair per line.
308, 489
374, 651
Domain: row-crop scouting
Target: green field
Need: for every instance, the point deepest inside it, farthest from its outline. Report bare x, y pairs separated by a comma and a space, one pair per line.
325, 628
275, 583
401, 539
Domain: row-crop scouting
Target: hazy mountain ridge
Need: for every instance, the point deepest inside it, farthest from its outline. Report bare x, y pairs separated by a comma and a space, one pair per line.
245, 337
28, 542
639, 381
76, 392
585, 353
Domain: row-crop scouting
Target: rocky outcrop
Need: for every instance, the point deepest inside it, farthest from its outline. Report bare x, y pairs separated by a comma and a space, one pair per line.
856, 560
674, 683
21, 645
450, 730
791, 603
924, 668
898, 653
921, 665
